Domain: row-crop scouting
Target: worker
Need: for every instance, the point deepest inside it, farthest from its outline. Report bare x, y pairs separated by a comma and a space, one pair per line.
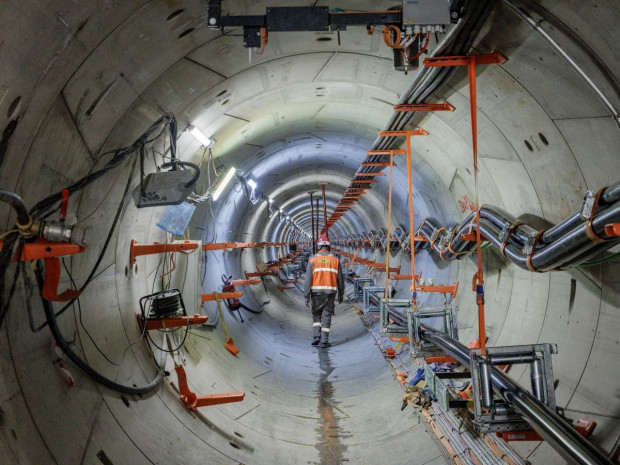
323, 279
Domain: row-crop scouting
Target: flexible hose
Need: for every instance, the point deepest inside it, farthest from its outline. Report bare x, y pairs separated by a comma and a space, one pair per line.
85, 367
15, 201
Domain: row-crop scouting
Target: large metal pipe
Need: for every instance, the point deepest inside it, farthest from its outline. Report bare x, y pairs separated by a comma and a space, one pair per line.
554, 429
317, 218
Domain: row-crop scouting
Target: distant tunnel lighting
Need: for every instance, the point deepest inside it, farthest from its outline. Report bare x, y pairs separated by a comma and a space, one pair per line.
270, 200
200, 137
252, 183
223, 184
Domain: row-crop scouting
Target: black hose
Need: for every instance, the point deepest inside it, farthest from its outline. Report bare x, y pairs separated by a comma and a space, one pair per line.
15, 201
175, 163
85, 367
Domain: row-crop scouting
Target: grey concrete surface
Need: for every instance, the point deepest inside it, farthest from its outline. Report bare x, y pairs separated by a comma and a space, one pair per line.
80, 78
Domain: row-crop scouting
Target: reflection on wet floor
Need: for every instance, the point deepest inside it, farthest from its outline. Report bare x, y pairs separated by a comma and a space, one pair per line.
330, 448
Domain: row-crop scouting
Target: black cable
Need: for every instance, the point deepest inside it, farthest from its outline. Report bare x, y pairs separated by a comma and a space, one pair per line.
17, 203
64, 264
167, 120
85, 367
5, 260
105, 245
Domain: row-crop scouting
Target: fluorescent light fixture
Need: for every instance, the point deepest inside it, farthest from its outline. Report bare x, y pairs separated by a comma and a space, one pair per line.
224, 183
251, 183
200, 137
269, 199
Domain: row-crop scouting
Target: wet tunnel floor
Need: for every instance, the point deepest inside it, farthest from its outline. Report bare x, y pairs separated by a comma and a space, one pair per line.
356, 416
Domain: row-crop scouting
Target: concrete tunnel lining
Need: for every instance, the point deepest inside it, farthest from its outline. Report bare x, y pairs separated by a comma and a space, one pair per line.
358, 78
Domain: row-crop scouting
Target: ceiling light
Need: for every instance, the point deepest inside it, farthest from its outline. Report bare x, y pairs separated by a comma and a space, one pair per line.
223, 184
200, 137
251, 183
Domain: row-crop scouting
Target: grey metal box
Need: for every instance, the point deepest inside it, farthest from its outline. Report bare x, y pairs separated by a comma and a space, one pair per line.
426, 12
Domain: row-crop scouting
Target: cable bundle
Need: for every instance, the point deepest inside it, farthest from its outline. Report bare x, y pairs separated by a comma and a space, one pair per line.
165, 304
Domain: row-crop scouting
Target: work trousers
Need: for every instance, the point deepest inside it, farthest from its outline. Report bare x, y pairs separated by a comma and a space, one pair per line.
322, 310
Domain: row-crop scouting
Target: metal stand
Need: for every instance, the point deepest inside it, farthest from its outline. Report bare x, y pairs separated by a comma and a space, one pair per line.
495, 415
447, 313
358, 286
393, 315
372, 296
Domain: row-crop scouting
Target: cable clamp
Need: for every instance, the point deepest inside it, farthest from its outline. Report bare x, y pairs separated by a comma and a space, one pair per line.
587, 205
25, 229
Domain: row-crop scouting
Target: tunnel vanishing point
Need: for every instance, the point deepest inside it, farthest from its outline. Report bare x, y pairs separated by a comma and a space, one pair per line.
238, 109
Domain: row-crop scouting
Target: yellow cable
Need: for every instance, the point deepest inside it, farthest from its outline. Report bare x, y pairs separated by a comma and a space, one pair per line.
2, 236
219, 309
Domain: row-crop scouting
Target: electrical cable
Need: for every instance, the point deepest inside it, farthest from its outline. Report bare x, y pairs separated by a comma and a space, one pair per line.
85, 367
64, 264
105, 244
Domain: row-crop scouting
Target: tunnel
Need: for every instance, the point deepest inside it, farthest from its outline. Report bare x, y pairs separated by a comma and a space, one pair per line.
84, 83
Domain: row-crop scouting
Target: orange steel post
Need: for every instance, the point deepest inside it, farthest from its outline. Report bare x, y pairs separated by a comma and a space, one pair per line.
407, 134
312, 216
317, 221
471, 61
389, 228
325, 227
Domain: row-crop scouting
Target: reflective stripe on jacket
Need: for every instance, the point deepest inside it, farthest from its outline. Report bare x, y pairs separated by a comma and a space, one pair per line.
324, 273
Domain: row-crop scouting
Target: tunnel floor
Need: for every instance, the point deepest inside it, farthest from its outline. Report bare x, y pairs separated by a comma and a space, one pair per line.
343, 401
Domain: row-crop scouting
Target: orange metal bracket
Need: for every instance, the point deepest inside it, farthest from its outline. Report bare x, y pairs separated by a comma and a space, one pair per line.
445, 106
256, 274
377, 163
441, 289
192, 401
399, 338
136, 250
283, 288
494, 57
221, 295
171, 322
407, 277
369, 174
49, 252
365, 181
412, 132
612, 230
387, 152
244, 282
471, 236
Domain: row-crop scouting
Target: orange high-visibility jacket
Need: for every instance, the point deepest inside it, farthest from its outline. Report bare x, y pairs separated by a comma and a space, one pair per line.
324, 273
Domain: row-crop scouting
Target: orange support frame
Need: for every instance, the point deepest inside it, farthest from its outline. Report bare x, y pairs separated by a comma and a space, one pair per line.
440, 289
244, 282
387, 152
192, 401
49, 253
221, 295
369, 174
136, 250
377, 163
471, 61
171, 322
445, 106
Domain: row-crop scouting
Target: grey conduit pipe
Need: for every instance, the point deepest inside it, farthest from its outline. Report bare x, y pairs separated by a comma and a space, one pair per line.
554, 429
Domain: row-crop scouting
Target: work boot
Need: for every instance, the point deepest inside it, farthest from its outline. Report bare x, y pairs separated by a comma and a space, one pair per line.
325, 340
325, 345
316, 340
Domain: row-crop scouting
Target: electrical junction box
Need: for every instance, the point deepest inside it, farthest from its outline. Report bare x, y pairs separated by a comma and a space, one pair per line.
164, 188
426, 12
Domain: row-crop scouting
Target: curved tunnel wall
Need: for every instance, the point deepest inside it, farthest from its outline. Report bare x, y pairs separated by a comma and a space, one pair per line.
544, 140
